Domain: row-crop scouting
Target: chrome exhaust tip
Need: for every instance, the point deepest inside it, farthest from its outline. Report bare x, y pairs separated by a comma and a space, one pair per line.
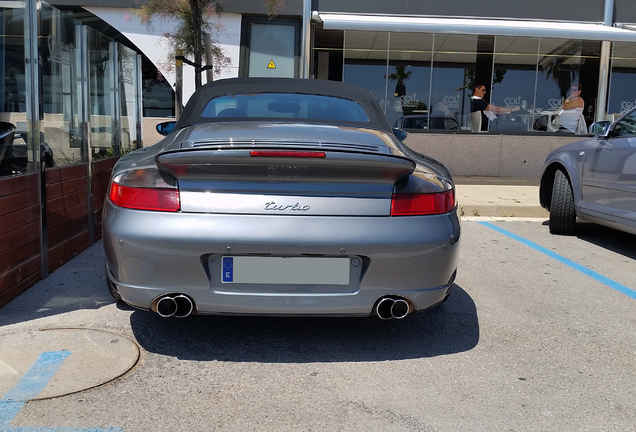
400, 309
393, 307
184, 306
166, 307
383, 308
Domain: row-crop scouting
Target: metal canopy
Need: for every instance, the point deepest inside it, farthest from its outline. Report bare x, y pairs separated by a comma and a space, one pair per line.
414, 24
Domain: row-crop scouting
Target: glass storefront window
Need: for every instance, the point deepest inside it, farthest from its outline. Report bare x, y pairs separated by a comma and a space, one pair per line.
13, 94
157, 94
100, 89
59, 97
409, 79
453, 75
62, 92
622, 92
559, 66
429, 75
514, 83
14, 150
127, 86
365, 64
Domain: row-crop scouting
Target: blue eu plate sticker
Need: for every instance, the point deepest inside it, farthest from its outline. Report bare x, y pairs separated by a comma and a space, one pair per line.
228, 269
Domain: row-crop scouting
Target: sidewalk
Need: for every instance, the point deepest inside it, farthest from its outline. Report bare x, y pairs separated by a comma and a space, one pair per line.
498, 196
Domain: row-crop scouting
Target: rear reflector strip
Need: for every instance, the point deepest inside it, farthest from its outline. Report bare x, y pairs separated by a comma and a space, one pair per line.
422, 204
287, 153
144, 198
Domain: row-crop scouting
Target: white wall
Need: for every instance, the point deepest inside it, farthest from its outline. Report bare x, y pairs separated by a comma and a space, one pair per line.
155, 47
489, 155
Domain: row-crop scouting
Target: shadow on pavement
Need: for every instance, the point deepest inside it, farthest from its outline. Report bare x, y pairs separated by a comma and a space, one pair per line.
451, 328
78, 284
605, 237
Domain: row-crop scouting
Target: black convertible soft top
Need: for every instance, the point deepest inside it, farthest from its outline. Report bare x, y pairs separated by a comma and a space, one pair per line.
198, 101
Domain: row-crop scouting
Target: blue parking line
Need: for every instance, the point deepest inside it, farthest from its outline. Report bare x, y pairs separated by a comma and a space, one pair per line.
586, 271
31, 384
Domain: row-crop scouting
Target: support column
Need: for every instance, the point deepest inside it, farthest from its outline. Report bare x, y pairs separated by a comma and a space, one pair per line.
603, 79
84, 127
604, 66
32, 74
115, 98
305, 49
139, 112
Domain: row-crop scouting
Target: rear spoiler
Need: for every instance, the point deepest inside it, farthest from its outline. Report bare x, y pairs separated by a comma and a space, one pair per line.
281, 165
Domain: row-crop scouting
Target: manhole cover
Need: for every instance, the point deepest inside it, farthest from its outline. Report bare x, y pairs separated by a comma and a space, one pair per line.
96, 357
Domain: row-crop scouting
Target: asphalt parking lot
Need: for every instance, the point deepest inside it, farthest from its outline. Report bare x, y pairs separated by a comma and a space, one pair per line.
538, 335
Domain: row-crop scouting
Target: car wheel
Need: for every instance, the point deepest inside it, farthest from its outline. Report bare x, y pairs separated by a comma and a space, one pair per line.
562, 213
112, 290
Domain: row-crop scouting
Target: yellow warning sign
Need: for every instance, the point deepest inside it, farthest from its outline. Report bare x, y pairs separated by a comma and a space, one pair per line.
271, 65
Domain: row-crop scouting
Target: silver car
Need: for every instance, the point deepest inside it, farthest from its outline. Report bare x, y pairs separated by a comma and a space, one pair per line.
593, 179
425, 121
281, 197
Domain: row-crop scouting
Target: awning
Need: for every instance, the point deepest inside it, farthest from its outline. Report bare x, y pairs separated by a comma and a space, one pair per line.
416, 24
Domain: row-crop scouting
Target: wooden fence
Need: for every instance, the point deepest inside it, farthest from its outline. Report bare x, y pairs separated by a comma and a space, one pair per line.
67, 221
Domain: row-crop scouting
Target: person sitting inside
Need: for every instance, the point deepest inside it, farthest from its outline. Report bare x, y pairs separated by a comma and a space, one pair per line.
488, 111
571, 117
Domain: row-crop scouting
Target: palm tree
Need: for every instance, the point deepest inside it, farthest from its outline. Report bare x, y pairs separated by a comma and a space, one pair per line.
553, 65
400, 75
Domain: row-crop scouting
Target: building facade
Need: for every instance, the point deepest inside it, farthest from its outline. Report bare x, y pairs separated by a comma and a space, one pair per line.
527, 54
416, 56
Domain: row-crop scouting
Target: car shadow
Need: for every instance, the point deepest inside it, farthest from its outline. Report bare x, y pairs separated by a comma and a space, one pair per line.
451, 328
605, 237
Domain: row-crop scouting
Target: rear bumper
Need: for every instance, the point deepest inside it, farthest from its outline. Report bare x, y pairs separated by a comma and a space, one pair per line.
150, 254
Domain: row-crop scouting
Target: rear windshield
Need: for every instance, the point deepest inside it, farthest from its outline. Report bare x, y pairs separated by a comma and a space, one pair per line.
282, 106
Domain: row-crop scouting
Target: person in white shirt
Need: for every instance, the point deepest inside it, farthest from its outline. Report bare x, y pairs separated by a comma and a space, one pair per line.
572, 113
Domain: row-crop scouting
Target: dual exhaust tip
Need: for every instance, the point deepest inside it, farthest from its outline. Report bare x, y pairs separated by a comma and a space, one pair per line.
393, 307
174, 305
181, 306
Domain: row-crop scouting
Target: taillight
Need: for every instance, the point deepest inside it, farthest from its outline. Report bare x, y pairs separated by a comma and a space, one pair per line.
287, 153
407, 204
144, 190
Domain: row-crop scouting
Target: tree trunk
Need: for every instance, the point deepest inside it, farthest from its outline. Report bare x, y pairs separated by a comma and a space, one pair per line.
197, 19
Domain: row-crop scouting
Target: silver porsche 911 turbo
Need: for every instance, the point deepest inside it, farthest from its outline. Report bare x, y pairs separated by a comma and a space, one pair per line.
280, 197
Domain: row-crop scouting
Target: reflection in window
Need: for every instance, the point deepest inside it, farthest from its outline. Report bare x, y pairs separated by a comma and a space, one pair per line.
559, 67
157, 94
14, 150
622, 93
435, 74
285, 106
514, 83
60, 99
127, 90
453, 76
409, 75
626, 127
99, 94
365, 64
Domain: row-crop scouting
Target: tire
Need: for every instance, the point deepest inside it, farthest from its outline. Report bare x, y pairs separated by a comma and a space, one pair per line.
562, 213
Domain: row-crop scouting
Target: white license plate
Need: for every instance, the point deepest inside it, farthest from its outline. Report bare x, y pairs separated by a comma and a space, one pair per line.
285, 270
